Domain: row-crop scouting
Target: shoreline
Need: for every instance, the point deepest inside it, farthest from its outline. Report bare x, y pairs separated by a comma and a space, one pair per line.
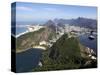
37, 47
29, 30
40, 47
22, 34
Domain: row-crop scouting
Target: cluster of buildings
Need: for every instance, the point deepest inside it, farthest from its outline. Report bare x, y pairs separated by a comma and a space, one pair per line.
69, 28
33, 28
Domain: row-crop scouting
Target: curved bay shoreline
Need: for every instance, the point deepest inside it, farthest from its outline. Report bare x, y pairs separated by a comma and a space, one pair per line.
37, 47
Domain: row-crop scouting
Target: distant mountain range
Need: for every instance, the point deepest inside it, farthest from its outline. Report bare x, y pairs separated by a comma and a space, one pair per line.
82, 22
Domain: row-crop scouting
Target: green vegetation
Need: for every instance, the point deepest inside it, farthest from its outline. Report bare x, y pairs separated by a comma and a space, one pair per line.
64, 54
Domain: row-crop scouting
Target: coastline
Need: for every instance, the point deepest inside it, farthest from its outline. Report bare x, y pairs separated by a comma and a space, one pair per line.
40, 47
37, 47
29, 30
22, 34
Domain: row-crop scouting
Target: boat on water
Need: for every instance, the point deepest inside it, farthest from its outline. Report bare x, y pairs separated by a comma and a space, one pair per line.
91, 36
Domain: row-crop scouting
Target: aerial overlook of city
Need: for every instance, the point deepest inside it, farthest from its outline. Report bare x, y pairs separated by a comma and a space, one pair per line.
53, 36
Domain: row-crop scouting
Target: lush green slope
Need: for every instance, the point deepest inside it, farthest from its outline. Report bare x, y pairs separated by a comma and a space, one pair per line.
64, 54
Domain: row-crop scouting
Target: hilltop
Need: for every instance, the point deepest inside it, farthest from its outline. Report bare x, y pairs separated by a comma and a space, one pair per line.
66, 53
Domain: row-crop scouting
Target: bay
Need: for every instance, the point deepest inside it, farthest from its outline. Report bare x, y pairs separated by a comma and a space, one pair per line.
26, 61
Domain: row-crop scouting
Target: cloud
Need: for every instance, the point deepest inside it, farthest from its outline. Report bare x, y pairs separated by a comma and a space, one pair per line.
24, 8
51, 9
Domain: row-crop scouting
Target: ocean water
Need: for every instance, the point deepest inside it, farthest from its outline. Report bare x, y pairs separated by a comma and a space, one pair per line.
28, 60
21, 30
84, 40
18, 30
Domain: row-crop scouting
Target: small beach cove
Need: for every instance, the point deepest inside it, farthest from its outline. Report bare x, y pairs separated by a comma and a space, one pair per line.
34, 47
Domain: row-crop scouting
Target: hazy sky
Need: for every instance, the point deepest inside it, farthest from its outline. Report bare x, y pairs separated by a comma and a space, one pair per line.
27, 12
